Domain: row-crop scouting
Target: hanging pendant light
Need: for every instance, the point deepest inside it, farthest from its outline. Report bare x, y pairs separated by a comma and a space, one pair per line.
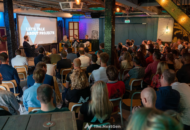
78, 2
118, 10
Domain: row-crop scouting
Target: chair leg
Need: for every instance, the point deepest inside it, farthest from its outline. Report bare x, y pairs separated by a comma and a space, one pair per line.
121, 114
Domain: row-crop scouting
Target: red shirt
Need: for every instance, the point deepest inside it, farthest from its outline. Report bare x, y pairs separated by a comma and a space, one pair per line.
115, 89
149, 60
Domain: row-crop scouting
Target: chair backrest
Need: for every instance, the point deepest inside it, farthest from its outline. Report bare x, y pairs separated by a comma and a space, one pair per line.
117, 102
58, 95
10, 84
33, 108
65, 72
5, 108
75, 107
4, 87
22, 71
135, 83
132, 100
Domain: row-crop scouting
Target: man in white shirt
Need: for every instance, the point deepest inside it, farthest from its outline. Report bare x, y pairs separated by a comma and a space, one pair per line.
85, 60
19, 60
50, 67
184, 104
100, 74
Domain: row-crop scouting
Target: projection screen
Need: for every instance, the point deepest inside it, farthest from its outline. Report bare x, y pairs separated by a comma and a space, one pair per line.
41, 30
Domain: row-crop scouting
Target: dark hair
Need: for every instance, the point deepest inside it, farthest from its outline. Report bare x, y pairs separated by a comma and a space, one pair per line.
186, 57
128, 43
120, 46
99, 52
133, 41
46, 60
94, 57
18, 52
135, 48
41, 65
170, 57
142, 59
137, 60
157, 54
44, 93
69, 50
25, 37
151, 46
104, 57
64, 54
169, 75
86, 49
151, 50
66, 46
168, 49
112, 73
81, 50
81, 45
39, 75
175, 52
4, 57
145, 41
41, 50
102, 45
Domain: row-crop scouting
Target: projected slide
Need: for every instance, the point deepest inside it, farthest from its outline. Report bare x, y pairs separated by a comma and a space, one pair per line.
41, 30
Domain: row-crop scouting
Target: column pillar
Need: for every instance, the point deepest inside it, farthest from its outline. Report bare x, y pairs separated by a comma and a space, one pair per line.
10, 28
109, 36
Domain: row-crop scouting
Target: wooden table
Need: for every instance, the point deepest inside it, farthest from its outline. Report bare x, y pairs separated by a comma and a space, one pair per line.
63, 120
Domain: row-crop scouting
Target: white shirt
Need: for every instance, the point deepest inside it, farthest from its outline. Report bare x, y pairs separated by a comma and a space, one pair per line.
100, 74
184, 104
19, 60
85, 61
180, 46
50, 69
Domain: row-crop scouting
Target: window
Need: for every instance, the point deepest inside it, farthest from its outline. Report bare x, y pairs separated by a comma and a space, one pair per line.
73, 29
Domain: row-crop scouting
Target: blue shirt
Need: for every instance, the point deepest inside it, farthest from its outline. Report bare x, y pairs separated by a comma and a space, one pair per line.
30, 97
38, 59
167, 99
48, 80
10, 73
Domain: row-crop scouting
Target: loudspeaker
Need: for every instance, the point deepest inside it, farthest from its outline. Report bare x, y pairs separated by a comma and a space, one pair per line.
95, 15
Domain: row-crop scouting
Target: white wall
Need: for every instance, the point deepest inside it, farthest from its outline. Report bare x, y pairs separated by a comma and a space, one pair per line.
162, 25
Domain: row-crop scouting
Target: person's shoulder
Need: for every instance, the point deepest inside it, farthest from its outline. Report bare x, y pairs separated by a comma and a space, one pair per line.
30, 77
49, 76
121, 83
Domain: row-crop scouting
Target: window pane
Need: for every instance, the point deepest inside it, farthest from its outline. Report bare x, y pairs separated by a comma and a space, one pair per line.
76, 32
71, 38
70, 33
71, 25
76, 25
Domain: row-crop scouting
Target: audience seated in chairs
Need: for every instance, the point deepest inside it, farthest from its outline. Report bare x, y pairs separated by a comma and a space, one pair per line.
148, 99
85, 60
101, 47
30, 94
54, 57
93, 66
137, 72
80, 90
8, 99
71, 55
152, 67
152, 119
50, 67
134, 49
9, 73
100, 74
156, 78
98, 57
86, 51
167, 98
64, 63
39, 57
116, 88
183, 75
99, 109
48, 78
19, 60
45, 96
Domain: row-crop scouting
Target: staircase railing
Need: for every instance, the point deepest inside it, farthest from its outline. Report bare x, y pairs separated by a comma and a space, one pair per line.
183, 5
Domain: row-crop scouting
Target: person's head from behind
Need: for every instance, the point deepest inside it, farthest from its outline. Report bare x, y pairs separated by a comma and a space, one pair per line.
46, 60
149, 42
39, 75
170, 57
128, 44
148, 97
175, 53
144, 42
127, 40
26, 38
86, 36
159, 41
94, 58
132, 41
18, 52
150, 51
112, 73
156, 55
101, 46
120, 47
86, 49
167, 50
41, 50
167, 44
76, 63
81, 51
79, 80
183, 51
136, 61
64, 54
161, 67
45, 94
69, 50
104, 57
186, 58
66, 47
167, 77
53, 50
99, 52
4, 58
152, 119
41, 65
100, 105
142, 48
134, 49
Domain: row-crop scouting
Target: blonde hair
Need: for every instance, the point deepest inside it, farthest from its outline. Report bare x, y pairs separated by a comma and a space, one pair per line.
152, 119
64, 37
79, 80
100, 106
161, 67
128, 58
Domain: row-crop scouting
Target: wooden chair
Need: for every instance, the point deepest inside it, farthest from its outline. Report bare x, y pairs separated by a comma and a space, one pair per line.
74, 107
4, 108
10, 84
22, 71
64, 72
33, 108
58, 94
117, 102
135, 83
90, 47
60, 47
4, 87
